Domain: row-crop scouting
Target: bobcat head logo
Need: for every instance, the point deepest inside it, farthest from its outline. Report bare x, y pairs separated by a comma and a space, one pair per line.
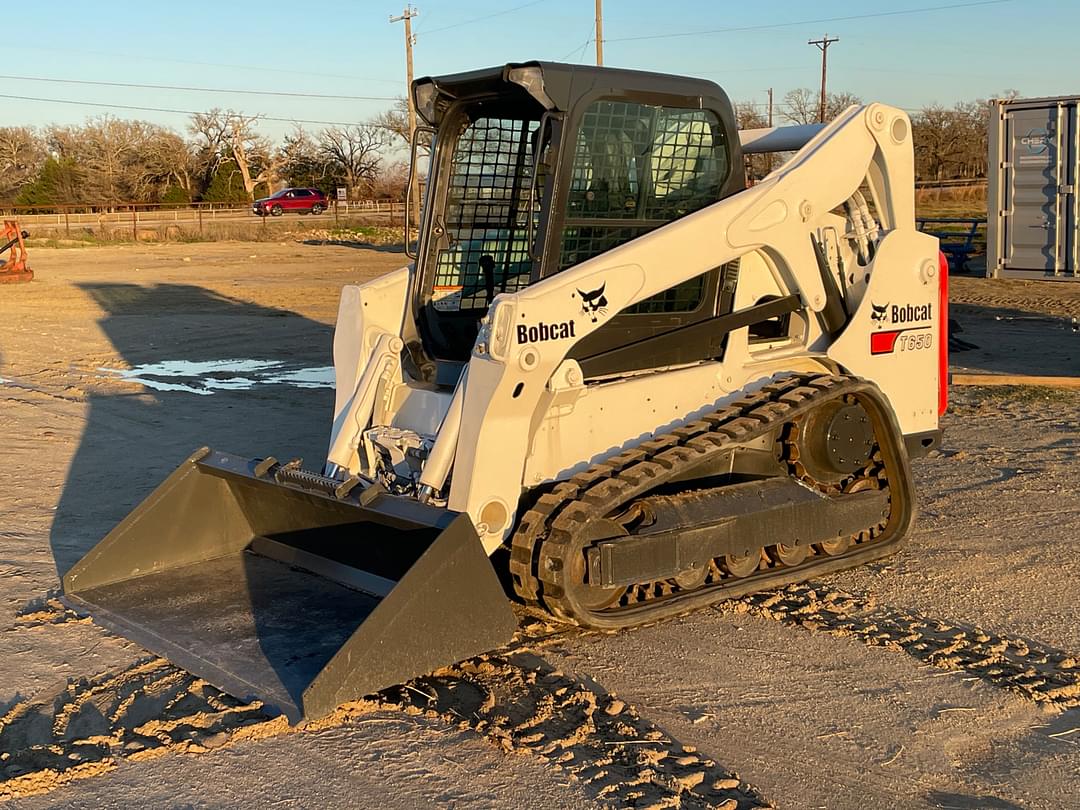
594, 304
879, 314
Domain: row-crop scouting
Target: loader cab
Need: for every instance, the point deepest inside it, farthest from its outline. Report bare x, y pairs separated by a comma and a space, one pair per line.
536, 167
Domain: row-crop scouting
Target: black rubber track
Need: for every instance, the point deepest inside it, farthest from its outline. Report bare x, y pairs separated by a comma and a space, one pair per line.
553, 530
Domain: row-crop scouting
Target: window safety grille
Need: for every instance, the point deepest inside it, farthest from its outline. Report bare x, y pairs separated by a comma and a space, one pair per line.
486, 215
637, 167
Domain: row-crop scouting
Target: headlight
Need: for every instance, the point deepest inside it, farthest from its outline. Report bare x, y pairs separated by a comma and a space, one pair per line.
532, 79
424, 96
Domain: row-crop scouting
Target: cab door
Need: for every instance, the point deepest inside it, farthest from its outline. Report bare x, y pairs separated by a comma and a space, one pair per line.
637, 165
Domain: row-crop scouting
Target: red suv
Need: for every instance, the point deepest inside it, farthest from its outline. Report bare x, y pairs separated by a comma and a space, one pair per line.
300, 200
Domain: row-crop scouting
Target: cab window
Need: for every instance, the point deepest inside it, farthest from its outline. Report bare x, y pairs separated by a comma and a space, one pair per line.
637, 167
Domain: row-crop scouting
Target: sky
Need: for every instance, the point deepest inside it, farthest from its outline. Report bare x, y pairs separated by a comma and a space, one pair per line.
886, 52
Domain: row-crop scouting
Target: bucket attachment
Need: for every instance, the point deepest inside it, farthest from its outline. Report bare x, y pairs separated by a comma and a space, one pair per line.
273, 583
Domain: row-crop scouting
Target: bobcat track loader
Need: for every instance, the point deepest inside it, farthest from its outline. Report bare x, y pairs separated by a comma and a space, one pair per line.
615, 384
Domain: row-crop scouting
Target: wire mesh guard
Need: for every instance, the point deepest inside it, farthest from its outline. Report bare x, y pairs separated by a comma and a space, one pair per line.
486, 220
637, 167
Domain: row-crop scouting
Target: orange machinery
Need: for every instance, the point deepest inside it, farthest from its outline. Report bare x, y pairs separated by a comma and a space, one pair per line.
15, 268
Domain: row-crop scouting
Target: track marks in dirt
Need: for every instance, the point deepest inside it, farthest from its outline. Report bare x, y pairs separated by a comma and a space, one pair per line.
523, 705
517, 701
82, 727
1032, 670
47, 610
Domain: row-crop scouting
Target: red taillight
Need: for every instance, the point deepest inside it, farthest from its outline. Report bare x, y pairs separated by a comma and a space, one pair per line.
943, 334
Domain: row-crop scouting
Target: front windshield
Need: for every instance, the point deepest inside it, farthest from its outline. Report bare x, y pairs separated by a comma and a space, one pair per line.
485, 251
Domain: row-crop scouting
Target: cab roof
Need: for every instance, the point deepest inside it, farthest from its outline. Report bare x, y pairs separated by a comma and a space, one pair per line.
556, 85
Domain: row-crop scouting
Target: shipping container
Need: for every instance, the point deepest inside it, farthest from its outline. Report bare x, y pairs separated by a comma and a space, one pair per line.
1032, 200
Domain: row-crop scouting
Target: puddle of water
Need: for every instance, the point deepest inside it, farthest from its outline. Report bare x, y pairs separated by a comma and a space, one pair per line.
207, 376
306, 377
193, 368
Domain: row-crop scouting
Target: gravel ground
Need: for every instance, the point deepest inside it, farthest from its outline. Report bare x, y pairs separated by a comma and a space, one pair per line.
947, 676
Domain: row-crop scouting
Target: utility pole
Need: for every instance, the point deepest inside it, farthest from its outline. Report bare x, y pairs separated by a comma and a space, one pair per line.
768, 155
823, 45
599, 32
410, 40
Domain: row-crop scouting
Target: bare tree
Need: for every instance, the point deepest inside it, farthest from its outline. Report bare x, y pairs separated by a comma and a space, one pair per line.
111, 155
749, 116
395, 120
211, 136
391, 182
836, 103
300, 160
973, 119
951, 143
355, 151
168, 160
251, 152
227, 134
937, 150
801, 105
22, 154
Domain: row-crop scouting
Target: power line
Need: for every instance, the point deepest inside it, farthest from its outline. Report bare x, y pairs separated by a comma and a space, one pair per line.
845, 18
577, 49
485, 17
191, 112
259, 68
199, 89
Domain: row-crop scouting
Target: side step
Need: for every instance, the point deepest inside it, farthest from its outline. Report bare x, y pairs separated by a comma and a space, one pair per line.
247, 575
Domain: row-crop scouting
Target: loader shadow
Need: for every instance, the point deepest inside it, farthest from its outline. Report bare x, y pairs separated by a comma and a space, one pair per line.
357, 244
961, 801
1005, 340
132, 441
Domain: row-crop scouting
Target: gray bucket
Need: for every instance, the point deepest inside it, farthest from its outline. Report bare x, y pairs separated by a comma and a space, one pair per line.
270, 585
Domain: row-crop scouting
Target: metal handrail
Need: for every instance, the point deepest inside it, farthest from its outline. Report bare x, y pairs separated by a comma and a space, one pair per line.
408, 188
530, 235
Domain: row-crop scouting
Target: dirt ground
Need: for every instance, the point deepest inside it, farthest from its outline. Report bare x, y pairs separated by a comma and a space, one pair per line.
947, 677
